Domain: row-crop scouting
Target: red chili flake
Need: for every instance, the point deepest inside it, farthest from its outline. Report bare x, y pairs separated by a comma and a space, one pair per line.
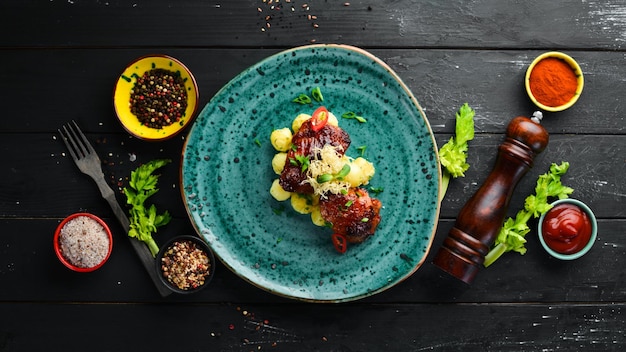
340, 242
231, 327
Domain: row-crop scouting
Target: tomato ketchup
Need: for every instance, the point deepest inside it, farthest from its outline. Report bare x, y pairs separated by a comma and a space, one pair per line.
566, 228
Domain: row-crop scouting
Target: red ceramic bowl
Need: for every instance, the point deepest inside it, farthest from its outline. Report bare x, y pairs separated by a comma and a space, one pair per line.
72, 253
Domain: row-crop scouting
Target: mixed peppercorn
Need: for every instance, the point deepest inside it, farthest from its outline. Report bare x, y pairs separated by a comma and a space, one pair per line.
185, 265
159, 98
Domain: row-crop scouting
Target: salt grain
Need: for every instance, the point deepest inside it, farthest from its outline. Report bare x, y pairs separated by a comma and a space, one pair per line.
84, 242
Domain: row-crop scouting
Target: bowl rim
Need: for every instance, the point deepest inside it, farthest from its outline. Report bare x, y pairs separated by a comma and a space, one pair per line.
577, 70
192, 114
199, 241
592, 239
57, 248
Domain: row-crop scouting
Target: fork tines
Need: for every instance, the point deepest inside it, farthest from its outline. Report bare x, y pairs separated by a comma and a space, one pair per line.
75, 141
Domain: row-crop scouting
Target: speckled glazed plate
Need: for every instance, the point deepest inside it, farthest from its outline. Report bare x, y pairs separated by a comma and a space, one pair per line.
226, 174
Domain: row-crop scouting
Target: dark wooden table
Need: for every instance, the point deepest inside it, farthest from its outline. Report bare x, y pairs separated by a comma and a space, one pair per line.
60, 60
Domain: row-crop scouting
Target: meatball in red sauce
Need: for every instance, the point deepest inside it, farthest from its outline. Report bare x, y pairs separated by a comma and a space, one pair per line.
355, 215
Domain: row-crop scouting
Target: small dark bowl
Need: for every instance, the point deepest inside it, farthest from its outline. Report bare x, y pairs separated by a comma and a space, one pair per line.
592, 240
200, 244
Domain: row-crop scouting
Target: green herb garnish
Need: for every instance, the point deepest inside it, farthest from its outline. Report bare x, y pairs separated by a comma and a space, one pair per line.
303, 161
279, 210
453, 154
376, 190
317, 94
353, 115
144, 221
324, 178
345, 170
302, 99
361, 150
511, 236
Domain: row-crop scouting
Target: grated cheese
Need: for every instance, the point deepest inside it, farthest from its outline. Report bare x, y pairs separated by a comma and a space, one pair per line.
327, 160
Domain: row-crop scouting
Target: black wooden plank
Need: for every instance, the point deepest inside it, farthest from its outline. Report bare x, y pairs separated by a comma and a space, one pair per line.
78, 84
354, 327
61, 59
405, 23
596, 169
30, 272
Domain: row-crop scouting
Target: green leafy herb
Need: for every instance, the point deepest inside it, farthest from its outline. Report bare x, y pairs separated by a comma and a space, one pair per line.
302, 99
317, 94
345, 170
144, 220
376, 190
361, 150
303, 161
257, 142
511, 236
279, 210
453, 154
324, 178
353, 115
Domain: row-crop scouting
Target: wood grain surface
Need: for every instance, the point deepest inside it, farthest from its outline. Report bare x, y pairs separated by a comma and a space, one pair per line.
60, 60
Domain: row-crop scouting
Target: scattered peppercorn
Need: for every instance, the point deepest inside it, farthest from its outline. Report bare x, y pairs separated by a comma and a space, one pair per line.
185, 265
158, 98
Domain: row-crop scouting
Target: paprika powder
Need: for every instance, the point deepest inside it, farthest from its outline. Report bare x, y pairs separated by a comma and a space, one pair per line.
553, 82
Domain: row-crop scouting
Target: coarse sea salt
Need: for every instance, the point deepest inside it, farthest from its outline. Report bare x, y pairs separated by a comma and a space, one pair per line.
84, 242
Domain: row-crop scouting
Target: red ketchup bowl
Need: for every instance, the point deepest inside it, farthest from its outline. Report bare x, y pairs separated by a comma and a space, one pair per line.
568, 230
83, 242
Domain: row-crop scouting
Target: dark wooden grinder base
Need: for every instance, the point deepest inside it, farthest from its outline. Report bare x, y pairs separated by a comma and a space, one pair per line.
479, 221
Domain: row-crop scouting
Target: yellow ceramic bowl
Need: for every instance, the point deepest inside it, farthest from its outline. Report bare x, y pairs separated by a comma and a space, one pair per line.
122, 95
577, 72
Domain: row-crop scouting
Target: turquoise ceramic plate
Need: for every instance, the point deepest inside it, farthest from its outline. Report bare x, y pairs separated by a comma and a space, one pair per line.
226, 175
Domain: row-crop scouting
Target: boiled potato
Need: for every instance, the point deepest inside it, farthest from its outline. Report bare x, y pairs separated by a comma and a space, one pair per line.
354, 178
361, 171
316, 217
278, 162
303, 204
298, 121
281, 139
367, 168
332, 119
278, 192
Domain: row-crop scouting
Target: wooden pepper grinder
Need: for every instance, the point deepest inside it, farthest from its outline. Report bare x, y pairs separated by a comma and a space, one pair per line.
478, 224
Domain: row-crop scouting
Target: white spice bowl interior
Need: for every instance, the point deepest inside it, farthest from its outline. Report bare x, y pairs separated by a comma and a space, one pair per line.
83, 242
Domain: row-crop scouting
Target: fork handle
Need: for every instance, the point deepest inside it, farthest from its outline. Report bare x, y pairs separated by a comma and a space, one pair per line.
142, 250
